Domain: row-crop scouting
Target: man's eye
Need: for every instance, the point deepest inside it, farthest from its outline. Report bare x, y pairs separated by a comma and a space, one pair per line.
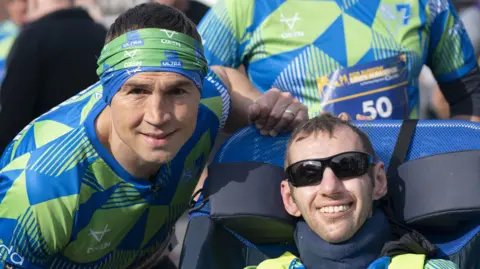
178, 91
137, 91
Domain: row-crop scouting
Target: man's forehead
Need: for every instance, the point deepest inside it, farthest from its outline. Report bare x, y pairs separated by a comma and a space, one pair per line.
323, 144
167, 78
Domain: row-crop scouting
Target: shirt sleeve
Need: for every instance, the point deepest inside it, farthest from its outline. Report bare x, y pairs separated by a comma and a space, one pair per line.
223, 30
450, 55
216, 97
32, 230
463, 95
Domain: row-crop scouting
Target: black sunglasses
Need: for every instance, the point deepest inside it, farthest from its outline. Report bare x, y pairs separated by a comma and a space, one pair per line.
344, 165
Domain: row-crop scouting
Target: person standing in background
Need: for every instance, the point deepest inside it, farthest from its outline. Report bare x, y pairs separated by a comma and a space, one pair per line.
193, 9
324, 66
53, 58
17, 13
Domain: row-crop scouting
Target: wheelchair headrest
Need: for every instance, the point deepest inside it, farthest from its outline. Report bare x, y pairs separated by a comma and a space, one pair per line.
440, 191
245, 197
446, 190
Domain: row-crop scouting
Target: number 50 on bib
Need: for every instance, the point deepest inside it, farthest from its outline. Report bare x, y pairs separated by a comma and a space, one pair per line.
377, 89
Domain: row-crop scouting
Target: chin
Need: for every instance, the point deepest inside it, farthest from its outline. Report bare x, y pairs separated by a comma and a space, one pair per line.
336, 239
339, 235
159, 157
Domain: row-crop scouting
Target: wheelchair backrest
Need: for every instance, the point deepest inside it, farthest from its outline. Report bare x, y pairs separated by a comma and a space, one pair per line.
248, 146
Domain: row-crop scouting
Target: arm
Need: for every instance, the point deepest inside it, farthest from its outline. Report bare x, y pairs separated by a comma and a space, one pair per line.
269, 111
243, 95
452, 60
31, 230
223, 30
463, 96
20, 87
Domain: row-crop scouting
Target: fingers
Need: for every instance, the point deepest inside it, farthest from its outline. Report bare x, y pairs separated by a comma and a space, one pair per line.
284, 112
253, 113
279, 112
262, 108
294, 115
302, 116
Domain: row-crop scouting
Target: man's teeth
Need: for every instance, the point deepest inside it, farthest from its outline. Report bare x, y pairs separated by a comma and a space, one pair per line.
334, 209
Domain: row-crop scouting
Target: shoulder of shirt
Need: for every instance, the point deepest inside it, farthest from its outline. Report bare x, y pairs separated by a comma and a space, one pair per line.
25, 141
61, 153
436, 5
212, 82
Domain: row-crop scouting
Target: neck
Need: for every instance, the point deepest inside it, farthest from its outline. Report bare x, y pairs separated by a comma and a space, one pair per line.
123, 153
356, 253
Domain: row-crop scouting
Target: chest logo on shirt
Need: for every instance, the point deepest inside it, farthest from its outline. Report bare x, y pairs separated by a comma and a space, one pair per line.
290, 22
396, 16
99, 237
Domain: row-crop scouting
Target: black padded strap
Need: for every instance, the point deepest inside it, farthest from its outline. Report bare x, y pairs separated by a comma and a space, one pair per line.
409, 240
398, 157
401, 147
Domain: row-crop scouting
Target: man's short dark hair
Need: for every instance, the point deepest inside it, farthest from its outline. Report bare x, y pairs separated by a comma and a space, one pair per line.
152, 15
326, 123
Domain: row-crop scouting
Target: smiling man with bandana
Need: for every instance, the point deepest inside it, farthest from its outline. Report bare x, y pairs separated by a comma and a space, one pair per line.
100, 180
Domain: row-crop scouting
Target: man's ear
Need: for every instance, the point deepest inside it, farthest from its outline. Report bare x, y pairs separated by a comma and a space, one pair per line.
380, 179
289, 200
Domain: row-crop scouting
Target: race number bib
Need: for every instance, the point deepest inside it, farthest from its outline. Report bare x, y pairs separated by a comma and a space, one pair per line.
377, 89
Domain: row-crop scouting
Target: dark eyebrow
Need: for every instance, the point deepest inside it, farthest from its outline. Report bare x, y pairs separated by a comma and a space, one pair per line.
137, 84
184, 83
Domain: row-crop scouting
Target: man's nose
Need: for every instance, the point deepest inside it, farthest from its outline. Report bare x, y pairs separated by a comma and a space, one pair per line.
158, 110
330, 184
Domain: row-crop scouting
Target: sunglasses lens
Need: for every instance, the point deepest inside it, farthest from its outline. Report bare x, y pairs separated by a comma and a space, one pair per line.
306, 173
346, 165
350, 165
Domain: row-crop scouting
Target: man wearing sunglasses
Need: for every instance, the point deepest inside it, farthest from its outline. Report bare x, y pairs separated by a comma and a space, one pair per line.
333, 181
